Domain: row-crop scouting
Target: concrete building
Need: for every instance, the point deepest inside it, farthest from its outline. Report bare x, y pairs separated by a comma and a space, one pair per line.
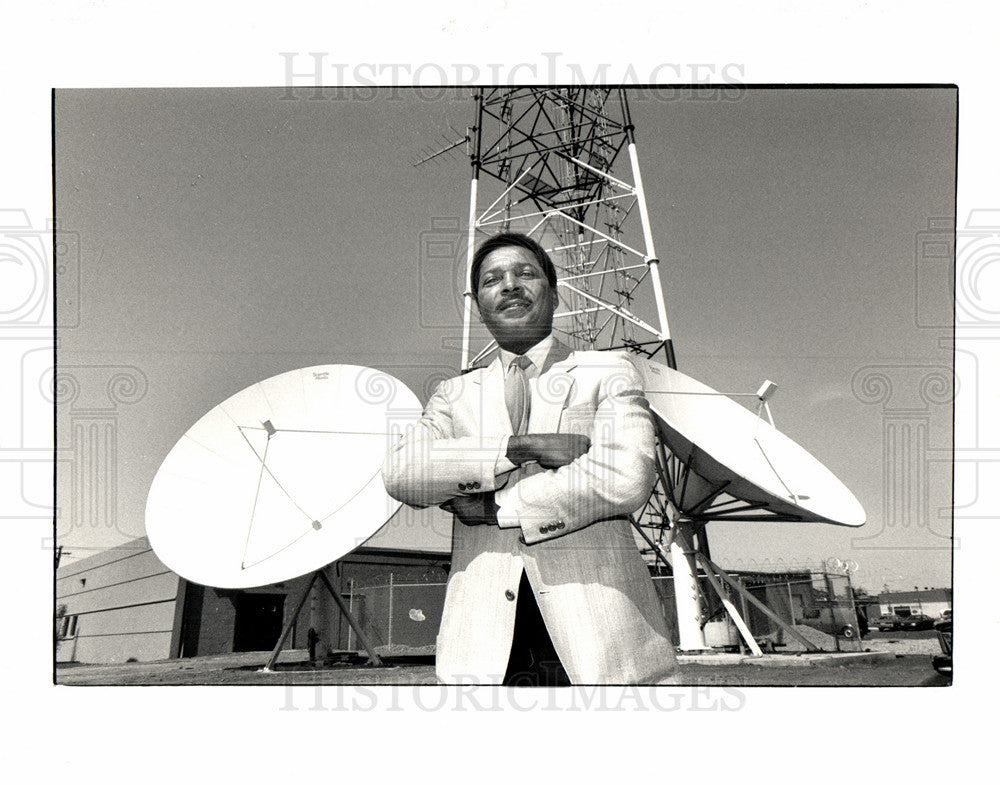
124, 604
117, 605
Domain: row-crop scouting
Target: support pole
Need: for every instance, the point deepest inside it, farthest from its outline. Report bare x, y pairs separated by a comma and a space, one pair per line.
289, 624
376, 660
683, 565
350, 607
831, 600
744, 613
467, 294
711, 566
651, 258
470, 252
682, 561
734, 614
272, 660
389, 625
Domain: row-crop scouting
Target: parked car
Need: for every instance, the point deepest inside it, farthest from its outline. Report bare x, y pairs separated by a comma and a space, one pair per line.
942, 661
917, 621
889, 621
832, 618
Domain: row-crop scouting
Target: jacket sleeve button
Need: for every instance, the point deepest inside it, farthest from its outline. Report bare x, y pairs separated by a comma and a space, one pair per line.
509, 595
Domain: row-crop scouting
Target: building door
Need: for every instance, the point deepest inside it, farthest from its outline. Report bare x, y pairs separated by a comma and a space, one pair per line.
259, 618
758, 622
194, 602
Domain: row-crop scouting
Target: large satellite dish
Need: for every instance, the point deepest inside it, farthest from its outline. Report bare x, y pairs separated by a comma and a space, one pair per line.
721, 449
280, 479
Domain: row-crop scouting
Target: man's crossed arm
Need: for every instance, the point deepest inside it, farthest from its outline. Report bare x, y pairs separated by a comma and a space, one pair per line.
548, 450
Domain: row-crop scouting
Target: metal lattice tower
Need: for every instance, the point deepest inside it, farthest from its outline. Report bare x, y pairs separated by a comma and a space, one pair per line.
552, 160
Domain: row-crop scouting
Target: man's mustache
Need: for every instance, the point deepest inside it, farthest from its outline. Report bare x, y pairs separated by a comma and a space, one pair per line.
509, 301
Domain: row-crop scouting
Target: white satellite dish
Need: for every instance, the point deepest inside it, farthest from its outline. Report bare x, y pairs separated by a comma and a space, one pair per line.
280, 479
725, 448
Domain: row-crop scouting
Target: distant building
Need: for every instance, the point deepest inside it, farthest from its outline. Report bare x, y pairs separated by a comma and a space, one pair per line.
931, 602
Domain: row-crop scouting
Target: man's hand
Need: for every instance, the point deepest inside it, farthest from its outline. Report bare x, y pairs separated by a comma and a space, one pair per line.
551, 450
473, 510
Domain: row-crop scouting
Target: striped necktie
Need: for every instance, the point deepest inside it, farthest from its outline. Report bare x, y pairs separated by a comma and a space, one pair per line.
517, 394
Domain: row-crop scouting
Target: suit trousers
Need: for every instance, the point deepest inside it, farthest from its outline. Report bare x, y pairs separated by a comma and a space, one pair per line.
533, 659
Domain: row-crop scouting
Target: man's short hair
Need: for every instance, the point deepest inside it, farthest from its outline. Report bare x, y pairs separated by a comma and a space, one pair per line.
506, 240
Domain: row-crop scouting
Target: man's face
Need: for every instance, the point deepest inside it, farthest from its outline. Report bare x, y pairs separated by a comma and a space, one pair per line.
516, 302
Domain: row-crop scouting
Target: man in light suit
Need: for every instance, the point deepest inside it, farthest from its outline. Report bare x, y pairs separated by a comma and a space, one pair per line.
542, 456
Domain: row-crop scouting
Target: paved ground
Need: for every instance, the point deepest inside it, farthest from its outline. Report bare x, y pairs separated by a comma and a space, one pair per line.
887, 659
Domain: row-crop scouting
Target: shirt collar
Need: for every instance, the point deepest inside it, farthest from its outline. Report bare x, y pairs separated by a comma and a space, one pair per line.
538, 354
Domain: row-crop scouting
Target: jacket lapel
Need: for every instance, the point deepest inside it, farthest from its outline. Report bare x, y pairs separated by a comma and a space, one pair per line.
551, 389
490, 406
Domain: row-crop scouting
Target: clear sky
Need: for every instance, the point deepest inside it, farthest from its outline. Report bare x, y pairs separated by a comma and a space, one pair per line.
226, 236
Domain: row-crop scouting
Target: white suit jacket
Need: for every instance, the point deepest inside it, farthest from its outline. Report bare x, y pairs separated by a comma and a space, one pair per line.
591, 584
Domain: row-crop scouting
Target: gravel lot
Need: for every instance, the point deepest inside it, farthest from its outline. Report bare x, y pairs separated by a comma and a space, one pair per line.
887, 666
922, 642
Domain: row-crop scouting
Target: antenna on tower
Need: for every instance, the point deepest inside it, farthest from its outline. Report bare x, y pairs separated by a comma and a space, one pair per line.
431, 153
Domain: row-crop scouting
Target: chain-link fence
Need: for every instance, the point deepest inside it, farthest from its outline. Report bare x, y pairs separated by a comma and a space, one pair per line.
812, 607
399, 619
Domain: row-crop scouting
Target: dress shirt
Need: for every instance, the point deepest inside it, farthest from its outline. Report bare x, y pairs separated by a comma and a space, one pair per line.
539, 356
